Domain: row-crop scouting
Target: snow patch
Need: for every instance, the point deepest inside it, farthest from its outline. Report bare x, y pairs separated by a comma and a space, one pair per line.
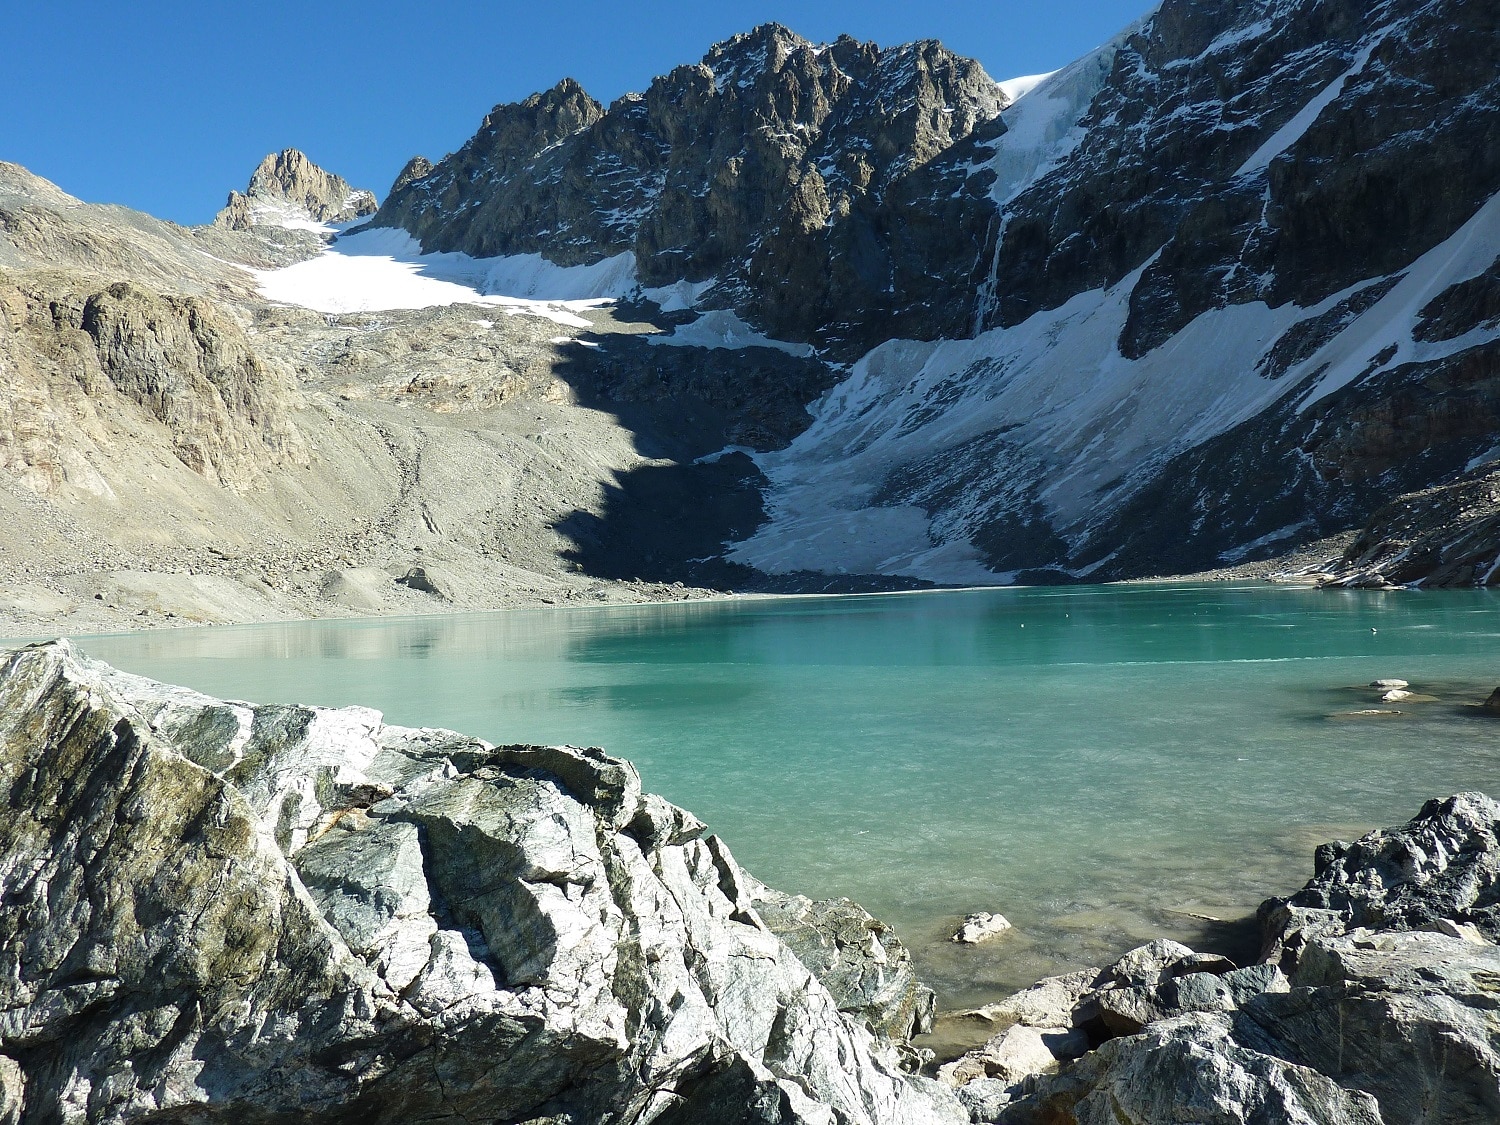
721, 328
1235, 554
1059, 390
681, 295
1015, 89
379, 269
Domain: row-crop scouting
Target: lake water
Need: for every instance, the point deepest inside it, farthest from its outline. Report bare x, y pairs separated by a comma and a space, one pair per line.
1100, 764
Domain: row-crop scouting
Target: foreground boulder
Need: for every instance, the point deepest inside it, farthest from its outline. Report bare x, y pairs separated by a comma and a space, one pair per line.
1374, 1001
1438, 872
217, 911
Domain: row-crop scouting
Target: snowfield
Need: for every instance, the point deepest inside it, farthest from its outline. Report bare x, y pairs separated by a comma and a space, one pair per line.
381, 269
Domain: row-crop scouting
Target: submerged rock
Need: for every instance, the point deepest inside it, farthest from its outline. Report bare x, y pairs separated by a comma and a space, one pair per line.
216, 911
981, 927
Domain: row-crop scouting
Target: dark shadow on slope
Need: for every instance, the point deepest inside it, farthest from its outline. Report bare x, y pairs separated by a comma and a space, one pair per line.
670, 521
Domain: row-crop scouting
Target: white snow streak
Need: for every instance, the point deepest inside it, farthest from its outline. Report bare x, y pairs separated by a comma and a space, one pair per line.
1386, 327
382, 269
1292, 132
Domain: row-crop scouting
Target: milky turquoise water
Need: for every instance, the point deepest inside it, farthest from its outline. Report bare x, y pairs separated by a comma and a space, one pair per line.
1099, 763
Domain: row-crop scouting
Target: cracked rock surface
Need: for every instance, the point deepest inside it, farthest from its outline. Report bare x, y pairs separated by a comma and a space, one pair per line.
215, 911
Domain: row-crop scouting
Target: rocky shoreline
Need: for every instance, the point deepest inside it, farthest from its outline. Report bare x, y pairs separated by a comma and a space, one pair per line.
214, 911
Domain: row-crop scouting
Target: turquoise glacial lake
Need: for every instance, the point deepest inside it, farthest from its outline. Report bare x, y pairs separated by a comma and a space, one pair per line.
1103, 765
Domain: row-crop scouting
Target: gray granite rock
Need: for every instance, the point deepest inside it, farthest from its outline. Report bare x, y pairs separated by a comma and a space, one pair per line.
1442, 865
859, 960
1189, 1069
217, 911
1407, 1016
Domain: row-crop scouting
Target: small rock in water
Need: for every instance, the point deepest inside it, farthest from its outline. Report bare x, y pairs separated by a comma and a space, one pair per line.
981, 927
1395, 695
1493, 702
1387, 685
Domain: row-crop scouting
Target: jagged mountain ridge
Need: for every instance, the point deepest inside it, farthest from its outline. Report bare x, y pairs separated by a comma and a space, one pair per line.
1227, 275
764, 176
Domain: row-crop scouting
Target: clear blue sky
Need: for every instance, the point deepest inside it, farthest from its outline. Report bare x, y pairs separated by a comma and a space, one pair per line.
165, 105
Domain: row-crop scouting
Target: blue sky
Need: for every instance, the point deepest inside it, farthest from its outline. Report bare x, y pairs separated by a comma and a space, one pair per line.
165, 105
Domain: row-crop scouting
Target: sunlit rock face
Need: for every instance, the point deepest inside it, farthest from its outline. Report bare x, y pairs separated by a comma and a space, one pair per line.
219, 911
289, 190
769, 171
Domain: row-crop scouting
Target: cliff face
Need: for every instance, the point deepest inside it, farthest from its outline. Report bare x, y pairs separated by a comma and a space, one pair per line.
1233, 297
163, 346
221, 912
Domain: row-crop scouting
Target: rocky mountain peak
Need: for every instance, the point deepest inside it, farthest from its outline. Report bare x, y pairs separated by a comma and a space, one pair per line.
288, 189
518, 131
414, 169
758, 167
762, 49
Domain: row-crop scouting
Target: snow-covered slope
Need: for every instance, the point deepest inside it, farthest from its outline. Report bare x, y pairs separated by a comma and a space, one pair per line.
927, 445
1240, 287
380, 269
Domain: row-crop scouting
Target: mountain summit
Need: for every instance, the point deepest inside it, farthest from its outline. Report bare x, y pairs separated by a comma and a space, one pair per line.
1217, 288
289, 190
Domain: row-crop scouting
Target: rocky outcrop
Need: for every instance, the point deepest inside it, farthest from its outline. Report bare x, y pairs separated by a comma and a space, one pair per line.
213, 910
183, 360
189, 364
1438, 873
1372, 1003
287, 188
1444, 536
217, 911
